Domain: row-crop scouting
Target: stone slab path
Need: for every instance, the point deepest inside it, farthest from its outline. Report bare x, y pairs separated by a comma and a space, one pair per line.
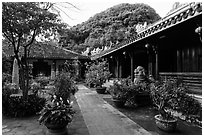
103, 119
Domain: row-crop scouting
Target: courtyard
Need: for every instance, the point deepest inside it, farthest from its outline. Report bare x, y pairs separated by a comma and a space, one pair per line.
102, 118
125, 71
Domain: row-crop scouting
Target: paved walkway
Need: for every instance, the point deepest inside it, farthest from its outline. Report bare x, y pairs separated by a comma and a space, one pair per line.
93, 116
103, 119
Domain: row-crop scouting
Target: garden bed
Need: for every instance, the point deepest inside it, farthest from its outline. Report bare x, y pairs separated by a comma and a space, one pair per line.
144, 116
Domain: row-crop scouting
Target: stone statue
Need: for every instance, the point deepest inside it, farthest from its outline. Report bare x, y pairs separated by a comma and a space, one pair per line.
139, 74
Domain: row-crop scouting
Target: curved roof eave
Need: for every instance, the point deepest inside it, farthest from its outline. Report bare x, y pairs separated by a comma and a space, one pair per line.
185, 13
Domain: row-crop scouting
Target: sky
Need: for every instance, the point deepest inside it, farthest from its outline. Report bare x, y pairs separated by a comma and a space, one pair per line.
88, 8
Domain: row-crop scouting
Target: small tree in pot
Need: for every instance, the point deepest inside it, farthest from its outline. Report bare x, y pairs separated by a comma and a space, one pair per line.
168, 97
97, 74
64, 86
58, 111
119, 93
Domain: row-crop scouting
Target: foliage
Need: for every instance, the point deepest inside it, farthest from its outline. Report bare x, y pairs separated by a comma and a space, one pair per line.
56, 112
70, 67
6, 64
21, 23
109, 27
126, 90
35, 87
64, 86
119, 89
6, 78
18, 107
97, 73
172, 95
43, 80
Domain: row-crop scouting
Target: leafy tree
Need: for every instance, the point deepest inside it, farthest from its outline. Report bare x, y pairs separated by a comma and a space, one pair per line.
111, 26
21, 23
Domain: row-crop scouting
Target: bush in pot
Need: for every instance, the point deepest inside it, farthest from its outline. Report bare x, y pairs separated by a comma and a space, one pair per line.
58, 111
64, 86
133, 94
139, 94
169, 97
118, 93
97, 74
56, 115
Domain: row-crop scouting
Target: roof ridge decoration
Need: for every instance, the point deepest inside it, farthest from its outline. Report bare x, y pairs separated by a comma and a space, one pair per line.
182, 14
56, 45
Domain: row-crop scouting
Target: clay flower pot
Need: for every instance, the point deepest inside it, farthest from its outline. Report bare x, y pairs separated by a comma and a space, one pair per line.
101, 90
118, 102
54, 129
165, 125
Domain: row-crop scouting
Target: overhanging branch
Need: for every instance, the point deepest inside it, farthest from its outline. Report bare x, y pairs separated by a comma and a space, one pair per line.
33, 37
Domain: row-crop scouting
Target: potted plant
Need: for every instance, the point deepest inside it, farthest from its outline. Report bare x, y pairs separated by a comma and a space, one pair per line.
138, 94
168, 97
58, 112
56, 115
97, 74
119, 92
64, 86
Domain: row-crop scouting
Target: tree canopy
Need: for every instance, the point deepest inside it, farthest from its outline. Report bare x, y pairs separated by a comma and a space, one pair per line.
21, 23
109, 27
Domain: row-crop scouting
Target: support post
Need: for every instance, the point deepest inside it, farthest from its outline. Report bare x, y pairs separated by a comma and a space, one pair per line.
53, 69
155, 49
157, 67
131, 54
117, 62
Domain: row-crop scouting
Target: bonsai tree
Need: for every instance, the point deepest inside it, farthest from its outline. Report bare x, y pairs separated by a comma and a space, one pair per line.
97, 73
171, 96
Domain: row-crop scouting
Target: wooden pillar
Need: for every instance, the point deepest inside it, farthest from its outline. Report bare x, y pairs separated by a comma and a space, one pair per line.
131, 54
155, 49
157, 67
150, 61
117, 65
53, 67
116, 69
120, 64
120, 70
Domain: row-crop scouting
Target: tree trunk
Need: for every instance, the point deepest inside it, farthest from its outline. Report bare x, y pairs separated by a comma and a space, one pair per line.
26, 76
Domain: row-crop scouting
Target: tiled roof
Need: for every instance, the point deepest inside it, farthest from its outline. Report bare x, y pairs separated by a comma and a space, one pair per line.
45, 51
182, 14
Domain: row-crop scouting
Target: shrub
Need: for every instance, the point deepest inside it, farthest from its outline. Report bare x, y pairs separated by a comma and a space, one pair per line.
18, 107
170, 95
118, 91
6, 78
133, 94
97, 73
64, 86
56, 112
43, 80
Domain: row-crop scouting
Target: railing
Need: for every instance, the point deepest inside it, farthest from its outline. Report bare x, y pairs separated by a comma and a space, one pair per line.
192, 80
